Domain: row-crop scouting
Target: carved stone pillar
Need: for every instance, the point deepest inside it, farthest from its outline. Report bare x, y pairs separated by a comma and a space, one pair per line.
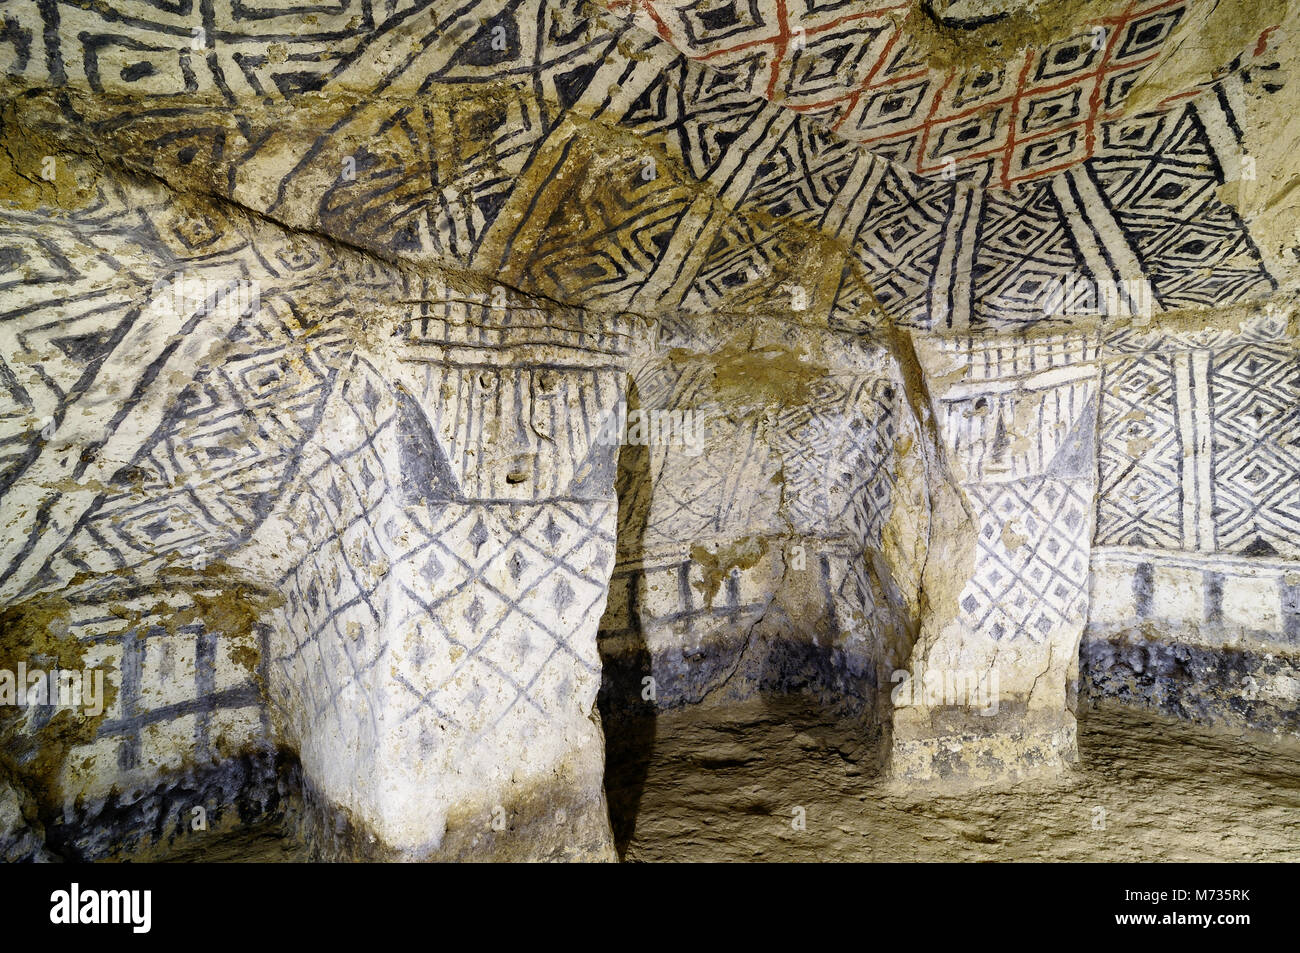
990, 693
453, 538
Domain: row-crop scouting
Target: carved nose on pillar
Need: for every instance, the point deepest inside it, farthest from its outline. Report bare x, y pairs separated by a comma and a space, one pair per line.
521, 468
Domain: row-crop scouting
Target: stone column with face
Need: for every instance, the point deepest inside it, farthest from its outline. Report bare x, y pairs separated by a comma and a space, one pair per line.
438, 648
988, 694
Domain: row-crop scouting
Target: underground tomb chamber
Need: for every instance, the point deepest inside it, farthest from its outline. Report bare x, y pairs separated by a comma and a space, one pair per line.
548, 430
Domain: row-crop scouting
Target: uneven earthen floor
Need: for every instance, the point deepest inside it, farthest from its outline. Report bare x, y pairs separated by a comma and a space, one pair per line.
721, 784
